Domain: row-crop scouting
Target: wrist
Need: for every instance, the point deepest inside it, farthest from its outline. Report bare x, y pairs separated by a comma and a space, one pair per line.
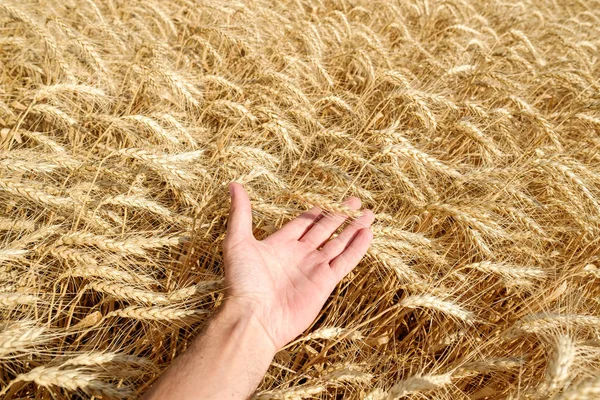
228, 359
245, 319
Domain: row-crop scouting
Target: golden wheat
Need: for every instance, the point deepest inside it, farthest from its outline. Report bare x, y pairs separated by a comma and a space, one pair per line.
470, 128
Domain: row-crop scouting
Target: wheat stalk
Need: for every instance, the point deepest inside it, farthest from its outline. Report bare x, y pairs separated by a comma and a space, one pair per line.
10, 300
419, 383
542, 322
132, 245
297, 393
71, 379
560, 363
433, 302
155, 313
323, 203
124, 292
586, 390
21, 336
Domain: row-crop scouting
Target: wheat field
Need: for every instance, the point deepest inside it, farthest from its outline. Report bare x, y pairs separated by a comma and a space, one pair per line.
471, 129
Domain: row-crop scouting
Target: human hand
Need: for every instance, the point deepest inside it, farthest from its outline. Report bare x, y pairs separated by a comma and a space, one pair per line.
285, 279
275, 289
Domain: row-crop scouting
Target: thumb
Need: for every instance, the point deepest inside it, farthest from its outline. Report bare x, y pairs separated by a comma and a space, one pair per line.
240, 213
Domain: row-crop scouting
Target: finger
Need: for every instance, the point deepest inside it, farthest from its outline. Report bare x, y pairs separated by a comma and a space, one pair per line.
240, 214
297, 227
351, 256
322, 230
336, 246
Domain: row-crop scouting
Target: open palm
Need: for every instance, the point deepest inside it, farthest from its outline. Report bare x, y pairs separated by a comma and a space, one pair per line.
286, 278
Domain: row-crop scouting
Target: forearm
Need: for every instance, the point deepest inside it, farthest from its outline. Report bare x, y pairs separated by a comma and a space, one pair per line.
226, 362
